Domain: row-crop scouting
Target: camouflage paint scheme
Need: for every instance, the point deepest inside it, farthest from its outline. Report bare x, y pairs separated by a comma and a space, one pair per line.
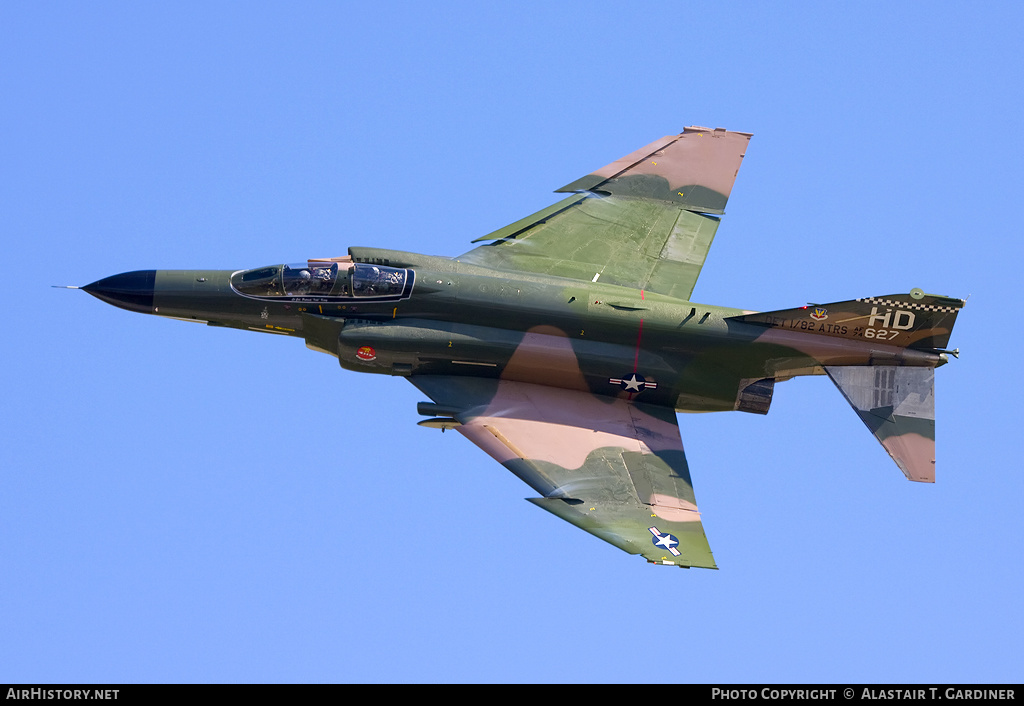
565, 344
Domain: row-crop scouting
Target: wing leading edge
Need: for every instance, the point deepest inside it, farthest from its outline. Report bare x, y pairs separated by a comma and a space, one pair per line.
644, 221
609, 466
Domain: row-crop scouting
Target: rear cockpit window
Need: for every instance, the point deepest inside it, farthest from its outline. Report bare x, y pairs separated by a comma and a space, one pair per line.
377, 281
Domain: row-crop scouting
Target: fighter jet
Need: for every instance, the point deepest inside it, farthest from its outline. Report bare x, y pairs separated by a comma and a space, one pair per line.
564, 344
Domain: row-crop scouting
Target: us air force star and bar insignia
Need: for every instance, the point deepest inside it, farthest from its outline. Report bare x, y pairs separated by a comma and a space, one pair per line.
634, 383
665, 541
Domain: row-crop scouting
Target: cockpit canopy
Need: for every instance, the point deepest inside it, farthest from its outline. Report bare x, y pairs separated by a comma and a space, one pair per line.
320, 279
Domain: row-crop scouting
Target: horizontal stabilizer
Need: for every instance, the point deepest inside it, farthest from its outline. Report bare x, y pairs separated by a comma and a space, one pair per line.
898, 405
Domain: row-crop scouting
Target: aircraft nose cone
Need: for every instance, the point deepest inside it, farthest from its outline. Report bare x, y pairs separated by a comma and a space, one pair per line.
129, 290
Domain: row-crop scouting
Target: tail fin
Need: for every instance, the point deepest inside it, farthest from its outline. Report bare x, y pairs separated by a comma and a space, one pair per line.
916, 320
896, 402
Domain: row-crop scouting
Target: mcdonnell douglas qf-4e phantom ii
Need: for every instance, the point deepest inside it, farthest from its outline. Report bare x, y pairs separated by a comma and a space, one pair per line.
564, 345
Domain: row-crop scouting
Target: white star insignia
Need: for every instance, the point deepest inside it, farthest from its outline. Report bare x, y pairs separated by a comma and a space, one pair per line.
666, 541
632, 383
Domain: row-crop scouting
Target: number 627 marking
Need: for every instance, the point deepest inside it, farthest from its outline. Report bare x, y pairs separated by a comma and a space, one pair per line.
880, 334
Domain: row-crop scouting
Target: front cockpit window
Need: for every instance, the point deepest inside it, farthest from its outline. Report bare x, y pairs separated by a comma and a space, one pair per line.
313, 279
263, 282
307, 280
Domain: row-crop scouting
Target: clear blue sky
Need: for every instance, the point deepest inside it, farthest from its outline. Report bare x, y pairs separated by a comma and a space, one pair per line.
167, 515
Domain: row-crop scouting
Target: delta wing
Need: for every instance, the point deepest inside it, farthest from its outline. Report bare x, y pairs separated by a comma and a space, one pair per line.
612, 467
644, 221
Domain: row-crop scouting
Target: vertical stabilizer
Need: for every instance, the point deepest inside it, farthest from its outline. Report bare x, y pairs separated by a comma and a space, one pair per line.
917, 320
898, 405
